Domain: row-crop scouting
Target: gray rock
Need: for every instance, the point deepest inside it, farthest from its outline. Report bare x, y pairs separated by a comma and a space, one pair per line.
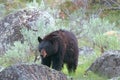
31, 72
11, 25
108, 65
86, 50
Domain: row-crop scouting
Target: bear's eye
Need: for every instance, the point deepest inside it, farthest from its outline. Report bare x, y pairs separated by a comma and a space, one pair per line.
40, 48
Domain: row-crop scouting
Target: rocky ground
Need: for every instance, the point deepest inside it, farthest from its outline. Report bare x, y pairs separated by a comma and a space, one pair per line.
11, 25
31, 72
107, 65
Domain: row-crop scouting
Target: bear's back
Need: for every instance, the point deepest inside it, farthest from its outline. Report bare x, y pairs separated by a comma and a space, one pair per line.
64, 35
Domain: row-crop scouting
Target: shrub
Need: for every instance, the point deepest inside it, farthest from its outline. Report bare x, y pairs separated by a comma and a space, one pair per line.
105, 42
16, 54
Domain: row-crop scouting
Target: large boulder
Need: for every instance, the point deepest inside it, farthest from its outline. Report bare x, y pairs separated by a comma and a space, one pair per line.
11, 25
108, 65
31, 72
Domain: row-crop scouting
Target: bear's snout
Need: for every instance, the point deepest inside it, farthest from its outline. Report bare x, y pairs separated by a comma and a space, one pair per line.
43, 53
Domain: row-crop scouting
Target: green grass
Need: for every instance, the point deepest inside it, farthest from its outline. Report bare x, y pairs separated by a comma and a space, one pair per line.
113, 16
84, 63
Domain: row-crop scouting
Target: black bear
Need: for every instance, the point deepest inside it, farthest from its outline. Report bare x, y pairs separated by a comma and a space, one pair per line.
57, 48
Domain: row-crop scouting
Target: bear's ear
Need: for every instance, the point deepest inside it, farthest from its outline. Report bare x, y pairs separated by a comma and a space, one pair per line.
39, 39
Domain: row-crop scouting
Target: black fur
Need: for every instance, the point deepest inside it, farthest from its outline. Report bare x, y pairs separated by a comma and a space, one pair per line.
61, 47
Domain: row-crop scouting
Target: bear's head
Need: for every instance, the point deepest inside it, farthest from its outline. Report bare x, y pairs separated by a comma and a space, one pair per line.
46, 47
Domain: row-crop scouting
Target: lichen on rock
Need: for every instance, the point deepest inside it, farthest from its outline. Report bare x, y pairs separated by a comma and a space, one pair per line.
31, 72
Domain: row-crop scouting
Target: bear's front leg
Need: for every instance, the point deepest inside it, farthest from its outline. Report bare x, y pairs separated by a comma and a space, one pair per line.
57, 63
46, 61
